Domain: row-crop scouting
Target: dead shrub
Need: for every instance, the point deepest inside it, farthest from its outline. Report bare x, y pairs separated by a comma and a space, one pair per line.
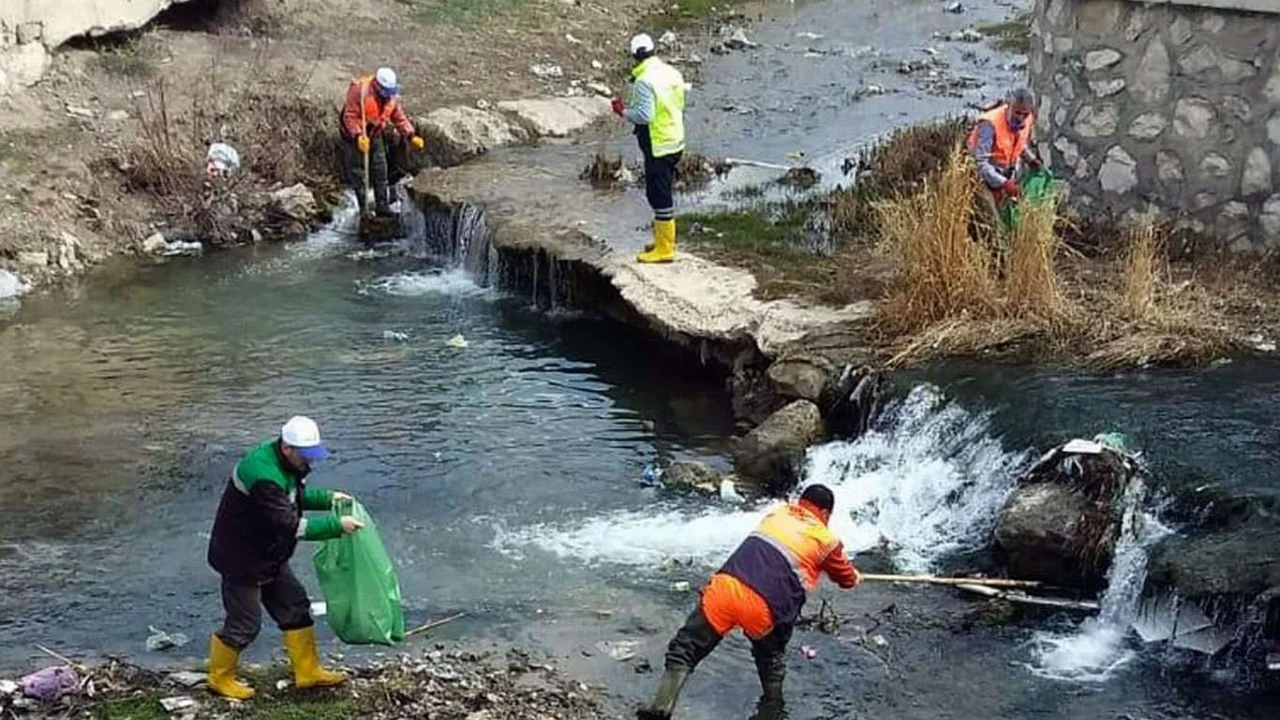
282, 137
897, 166
943, 273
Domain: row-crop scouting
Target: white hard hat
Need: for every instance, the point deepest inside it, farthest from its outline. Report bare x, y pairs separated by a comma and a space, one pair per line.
387, 80
303, 433
641, 43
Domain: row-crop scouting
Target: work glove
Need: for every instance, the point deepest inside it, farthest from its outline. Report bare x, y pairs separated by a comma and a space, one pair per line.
417, 142
617, 106
350, 525
362, 142
1010, 189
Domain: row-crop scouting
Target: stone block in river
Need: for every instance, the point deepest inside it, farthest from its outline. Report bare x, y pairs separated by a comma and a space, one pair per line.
1043, 530
457, 134
801, 377
770, 454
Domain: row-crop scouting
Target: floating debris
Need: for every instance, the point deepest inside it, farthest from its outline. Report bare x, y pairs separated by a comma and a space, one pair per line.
395, 336
457, 341
605, 173
160, 640
800, 177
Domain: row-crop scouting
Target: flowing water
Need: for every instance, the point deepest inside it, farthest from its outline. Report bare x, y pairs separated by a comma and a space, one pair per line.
500, 446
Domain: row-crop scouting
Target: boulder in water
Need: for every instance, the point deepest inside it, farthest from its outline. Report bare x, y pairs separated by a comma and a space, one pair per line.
801, 377
771, 454
692, 476
296, 202
1061, 524
557, 117
1239, 561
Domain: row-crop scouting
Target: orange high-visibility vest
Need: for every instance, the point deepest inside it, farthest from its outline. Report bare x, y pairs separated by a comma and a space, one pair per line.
804, 539
1009, 145
375, 115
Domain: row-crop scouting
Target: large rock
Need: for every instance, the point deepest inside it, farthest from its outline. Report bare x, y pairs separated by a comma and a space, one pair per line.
457, 134
770, 454
65, 19
296, 202
693, 477
21, 66
801, 377
557, 117
1193, 117
1097, 120
1042, 530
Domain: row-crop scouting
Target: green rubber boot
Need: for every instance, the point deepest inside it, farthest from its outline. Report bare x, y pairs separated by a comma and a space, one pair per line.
664, 702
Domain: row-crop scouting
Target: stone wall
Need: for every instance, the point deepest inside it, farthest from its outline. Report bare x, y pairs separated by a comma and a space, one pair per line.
1165, 108
31, 29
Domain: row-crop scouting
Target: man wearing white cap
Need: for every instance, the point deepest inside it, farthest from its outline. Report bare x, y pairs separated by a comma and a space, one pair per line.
657, 111
372, 103
257, 528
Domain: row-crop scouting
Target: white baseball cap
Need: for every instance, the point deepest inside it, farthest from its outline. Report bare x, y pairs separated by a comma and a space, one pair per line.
641, 43
303, 434
388, 81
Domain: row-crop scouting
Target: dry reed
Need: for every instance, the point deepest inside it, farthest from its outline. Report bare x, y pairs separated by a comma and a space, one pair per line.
944, 274
1141, 273
1031, 280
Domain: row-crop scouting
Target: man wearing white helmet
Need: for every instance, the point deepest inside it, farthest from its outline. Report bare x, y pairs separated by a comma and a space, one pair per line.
373, 102
657, 111
259, 523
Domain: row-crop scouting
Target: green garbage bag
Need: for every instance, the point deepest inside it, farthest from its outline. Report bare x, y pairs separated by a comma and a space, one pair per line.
1035, 185
359, 584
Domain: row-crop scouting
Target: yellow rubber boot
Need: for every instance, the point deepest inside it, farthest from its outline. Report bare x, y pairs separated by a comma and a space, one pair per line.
305, 659
222, 671
664, 243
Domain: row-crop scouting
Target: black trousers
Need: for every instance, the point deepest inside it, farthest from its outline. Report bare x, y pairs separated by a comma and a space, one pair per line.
695, 641
379, 150
284, 598
659, 177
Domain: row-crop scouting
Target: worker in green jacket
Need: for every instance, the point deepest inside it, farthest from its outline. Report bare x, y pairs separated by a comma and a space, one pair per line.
257, 528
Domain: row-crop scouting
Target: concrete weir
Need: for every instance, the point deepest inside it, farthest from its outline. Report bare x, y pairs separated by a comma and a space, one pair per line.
706, 309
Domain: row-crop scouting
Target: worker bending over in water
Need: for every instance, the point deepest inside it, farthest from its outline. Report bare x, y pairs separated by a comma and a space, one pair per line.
999, 141
657, 111
372, 103
257, 528
761, 589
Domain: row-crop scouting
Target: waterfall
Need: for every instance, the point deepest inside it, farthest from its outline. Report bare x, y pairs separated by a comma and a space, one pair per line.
460, 238
1099, 646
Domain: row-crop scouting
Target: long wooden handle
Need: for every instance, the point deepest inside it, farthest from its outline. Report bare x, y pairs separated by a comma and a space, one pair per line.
934, 580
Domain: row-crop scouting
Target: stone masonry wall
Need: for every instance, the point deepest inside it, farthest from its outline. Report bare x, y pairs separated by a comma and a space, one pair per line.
1164, 109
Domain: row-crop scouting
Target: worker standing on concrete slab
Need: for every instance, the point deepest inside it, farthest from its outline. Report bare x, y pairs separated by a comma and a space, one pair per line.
258, 526
657, 111
373, 102
761, 589
999, 141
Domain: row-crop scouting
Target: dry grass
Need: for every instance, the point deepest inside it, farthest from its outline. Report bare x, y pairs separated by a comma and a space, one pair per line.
1031, 280
1025, 297
1140, 279
944, 274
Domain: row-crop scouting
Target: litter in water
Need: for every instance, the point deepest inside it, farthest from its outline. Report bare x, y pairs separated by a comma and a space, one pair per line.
729, 493
160, 640
395, 336
620, 650
652, 476
808, 652
457, 341
681, 586
319, 608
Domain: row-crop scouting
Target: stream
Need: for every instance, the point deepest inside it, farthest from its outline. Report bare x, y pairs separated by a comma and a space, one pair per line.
501, 449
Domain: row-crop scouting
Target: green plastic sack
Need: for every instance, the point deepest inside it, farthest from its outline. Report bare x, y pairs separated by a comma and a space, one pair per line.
1035, 185
359, 584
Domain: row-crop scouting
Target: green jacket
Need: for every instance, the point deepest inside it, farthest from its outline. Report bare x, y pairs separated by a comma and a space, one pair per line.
260, 518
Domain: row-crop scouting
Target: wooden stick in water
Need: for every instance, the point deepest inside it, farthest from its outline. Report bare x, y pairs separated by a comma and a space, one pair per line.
433, 625
934, 580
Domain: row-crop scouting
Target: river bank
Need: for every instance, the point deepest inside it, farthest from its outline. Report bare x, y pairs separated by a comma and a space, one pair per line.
440, 682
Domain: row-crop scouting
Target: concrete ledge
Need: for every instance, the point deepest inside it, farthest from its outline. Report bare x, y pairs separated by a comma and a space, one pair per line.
1258, 6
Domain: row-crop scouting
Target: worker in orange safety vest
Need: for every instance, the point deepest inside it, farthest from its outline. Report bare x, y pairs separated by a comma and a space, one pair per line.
1000, 139
761, 588
372, 103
